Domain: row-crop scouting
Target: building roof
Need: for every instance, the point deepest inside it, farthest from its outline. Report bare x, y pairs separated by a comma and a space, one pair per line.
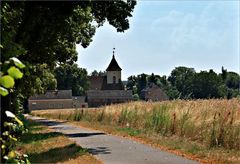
153, 92
109, 94
113, 66
53, 94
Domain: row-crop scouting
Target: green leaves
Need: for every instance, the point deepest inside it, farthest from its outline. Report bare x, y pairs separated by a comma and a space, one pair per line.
15, 72
3, 91
7, 81
17, 62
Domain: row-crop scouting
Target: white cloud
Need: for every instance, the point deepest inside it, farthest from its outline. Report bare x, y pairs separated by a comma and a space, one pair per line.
182, 30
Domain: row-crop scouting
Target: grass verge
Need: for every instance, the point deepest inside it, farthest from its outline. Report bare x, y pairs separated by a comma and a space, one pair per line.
43, 145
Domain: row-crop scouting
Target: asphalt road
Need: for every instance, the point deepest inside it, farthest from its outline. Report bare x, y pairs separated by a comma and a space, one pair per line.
113, 149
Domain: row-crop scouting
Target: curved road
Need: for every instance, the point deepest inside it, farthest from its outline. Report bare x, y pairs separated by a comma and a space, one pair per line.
113, 149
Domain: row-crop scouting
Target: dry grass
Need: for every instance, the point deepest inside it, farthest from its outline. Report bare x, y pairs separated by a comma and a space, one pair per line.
210, 127
43, 145
200, 110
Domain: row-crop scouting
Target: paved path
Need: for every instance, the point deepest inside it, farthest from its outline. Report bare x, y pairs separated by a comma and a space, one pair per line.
113, 149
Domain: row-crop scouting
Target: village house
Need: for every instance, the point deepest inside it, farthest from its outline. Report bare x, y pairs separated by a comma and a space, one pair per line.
153, 93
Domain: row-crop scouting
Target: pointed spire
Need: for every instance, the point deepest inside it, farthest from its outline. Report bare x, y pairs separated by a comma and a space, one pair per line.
113, 66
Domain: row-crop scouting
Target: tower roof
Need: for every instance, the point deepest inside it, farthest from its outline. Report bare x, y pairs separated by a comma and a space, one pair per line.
113, 66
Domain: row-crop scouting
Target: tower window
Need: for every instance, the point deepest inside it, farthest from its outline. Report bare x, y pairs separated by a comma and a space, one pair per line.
114, 79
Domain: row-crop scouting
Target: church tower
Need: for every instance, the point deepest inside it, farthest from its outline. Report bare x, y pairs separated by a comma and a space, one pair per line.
113, 71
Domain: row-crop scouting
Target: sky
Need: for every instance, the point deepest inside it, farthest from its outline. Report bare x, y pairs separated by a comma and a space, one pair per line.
166, 34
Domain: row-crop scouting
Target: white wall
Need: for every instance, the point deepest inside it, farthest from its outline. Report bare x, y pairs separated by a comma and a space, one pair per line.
110, 75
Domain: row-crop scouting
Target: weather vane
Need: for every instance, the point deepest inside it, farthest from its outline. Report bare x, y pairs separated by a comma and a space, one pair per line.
113, 50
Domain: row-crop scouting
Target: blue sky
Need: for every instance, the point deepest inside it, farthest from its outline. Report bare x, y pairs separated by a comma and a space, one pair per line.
165, 34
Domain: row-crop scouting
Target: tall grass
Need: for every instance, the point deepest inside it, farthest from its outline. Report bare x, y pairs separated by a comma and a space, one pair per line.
213, 123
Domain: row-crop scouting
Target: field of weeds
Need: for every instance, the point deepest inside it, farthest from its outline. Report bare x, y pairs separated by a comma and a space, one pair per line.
210, 123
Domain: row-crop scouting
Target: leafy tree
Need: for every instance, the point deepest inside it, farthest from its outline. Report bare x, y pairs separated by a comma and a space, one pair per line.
49, 31
152, 78
171, 91
11, 126
72, 77
131, 82
142, 80
185, 83
206, 85
223, 91
181, 78
96, 73
232, 80
44, 34
232, 83
224, 73
40, 76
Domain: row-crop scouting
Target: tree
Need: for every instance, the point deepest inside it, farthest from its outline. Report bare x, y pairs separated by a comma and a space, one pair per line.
224, 73
131, 82
141, 82
152, 78
96, 73
171, 91
230, 84
181, 78
232, 80
72, 77
11, 126
44, 34
206, 85
49, 31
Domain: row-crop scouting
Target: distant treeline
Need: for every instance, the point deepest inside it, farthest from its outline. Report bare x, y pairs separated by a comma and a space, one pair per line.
186, 83
182, 83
